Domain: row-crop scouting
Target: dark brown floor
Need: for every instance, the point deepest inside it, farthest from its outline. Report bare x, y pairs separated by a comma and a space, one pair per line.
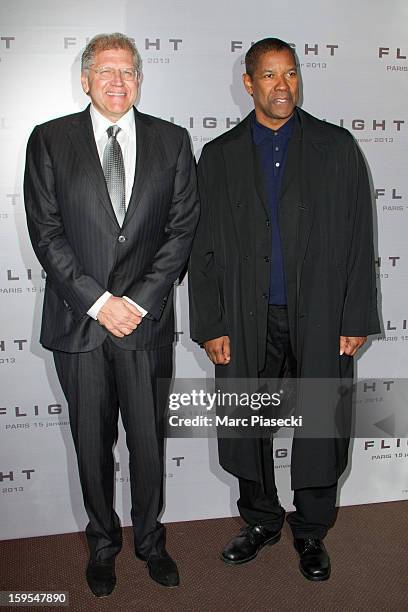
368, 548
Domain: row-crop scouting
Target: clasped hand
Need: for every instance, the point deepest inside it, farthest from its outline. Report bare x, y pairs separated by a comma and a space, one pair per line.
119, 316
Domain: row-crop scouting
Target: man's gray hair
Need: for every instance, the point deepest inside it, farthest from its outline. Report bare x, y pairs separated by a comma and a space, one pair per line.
105, 42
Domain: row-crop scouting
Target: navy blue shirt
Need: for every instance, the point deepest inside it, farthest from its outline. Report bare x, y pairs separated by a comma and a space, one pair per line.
272, 148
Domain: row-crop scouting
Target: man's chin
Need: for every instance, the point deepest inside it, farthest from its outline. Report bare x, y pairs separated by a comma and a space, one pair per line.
117, 111
284, 112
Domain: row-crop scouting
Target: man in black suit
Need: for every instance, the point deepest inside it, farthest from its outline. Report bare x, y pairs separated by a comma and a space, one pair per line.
110, 196
282, 280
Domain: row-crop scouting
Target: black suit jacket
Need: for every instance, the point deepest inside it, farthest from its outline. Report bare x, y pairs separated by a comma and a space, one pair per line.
79, 243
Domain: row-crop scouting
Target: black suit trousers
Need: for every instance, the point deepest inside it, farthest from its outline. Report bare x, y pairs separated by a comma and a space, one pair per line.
259, 505
97, 384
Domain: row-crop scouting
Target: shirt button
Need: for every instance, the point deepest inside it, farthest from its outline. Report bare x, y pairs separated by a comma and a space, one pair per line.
251, 314
264, 295
122, 239
276, 148
266, 258
275, 133
277, 164
267, 223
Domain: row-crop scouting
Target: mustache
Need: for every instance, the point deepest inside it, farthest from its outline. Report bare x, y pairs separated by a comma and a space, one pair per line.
285, 97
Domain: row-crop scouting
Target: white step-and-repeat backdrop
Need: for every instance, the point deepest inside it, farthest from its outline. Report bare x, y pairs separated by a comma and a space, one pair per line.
354, 66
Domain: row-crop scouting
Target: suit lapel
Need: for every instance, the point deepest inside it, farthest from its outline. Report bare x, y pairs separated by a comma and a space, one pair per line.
147, 153
83, 141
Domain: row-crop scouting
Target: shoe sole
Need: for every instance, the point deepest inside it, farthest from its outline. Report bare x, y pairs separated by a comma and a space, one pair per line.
314, 578
269, 542
166, 586
102, 594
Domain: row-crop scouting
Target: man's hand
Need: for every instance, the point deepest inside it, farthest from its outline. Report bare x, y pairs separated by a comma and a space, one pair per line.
119, 317
349, 345
218, 350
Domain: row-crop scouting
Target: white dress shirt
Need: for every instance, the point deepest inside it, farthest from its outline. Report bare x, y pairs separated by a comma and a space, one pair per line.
127, 140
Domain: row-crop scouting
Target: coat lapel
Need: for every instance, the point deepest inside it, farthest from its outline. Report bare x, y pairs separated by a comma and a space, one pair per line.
306, 156
83, 141
295, 213
244, 177
297, 197
312, 171
289, 199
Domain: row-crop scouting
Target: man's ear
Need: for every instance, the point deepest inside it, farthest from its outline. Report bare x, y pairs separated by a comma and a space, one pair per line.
247, 81
84, 81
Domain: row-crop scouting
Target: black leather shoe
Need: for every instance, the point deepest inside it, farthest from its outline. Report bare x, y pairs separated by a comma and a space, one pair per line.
163, 570
247, 544
101, 577
314, 561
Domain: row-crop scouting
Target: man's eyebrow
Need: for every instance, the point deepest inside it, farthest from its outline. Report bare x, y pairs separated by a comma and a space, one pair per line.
273, 70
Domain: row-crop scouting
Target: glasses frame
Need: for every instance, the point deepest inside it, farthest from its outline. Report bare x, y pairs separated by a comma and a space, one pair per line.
113, 72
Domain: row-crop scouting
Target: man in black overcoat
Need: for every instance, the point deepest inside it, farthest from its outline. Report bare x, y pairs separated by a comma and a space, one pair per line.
112, 207
282, 279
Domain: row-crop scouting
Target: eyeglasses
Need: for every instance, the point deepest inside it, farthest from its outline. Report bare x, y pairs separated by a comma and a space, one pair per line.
107, 73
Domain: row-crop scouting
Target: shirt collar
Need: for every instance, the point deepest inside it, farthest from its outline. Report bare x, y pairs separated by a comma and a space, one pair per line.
262, 133
100, 123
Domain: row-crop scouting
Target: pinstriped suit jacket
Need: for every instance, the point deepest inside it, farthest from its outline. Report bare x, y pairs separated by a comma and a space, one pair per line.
77, 239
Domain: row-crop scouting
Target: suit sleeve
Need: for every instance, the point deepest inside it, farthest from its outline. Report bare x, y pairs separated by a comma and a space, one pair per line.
360, 316
76, 289
153, 288
207, 319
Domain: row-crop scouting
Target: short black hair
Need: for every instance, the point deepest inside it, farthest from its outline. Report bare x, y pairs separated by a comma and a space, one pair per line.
264, 46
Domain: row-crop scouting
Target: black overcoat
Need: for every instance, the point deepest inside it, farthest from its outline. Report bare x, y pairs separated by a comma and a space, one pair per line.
325, 218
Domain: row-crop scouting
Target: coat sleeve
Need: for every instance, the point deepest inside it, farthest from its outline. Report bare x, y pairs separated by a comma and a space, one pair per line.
152, 290
207, 319
360, 316
75, 288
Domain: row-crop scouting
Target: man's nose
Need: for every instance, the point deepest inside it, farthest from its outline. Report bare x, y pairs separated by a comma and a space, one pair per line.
118, 77
281, 83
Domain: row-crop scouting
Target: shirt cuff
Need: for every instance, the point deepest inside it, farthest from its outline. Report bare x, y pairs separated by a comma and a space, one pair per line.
95, 308
140, 308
